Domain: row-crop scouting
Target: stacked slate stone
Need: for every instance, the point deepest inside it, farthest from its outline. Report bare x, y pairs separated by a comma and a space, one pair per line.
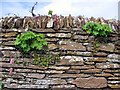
54, 21
79, 66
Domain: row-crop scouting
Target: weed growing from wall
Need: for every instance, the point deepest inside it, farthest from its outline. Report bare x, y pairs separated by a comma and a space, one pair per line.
30, 41
35, 46
97, 29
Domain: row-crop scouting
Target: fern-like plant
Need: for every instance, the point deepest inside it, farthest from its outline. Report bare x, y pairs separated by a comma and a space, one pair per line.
97, 29
30, 41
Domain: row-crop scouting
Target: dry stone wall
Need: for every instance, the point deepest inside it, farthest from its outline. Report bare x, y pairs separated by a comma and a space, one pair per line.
81, 64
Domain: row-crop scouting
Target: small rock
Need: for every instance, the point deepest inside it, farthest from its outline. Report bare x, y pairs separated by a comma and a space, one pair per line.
73, 71
53, 71
39, 76
107, 47
59, 68
73, 46
114, 86
98, 60
113, 82
60, 35
114, 56
91, 71
63, 87
10, 34
84, 53
83, 67
114, 60
29, 86
100, 54
79, 37
104, 75
114, 78
105, 65
68, 75
112, 71
52, 46
50, 81
50, 23
9, 43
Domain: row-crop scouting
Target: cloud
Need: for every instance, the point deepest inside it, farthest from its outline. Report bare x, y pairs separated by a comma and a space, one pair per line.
88, 8
96, 8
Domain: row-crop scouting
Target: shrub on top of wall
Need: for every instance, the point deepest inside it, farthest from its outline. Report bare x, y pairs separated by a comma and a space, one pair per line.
97, 29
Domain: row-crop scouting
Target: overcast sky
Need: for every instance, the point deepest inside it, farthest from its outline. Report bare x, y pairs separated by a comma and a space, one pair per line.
97, 8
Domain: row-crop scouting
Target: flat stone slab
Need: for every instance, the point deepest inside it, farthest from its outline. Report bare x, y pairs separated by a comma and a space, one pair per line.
68, 45
91, 82
107, 65
28, 86
107, 47
50, 81
58, 87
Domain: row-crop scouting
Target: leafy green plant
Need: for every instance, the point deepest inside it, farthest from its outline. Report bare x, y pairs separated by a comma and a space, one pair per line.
50, 12
97, 29
30, 41
45, 59
33, 44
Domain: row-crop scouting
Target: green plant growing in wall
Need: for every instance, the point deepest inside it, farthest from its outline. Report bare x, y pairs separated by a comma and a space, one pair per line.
97, 29
96, 45
34, 44
100, 31
30, 41
45, 59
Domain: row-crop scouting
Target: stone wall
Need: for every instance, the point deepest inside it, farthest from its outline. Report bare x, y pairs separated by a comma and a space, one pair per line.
82, 65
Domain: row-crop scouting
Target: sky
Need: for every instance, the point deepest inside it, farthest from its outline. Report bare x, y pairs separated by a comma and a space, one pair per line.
87, 8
